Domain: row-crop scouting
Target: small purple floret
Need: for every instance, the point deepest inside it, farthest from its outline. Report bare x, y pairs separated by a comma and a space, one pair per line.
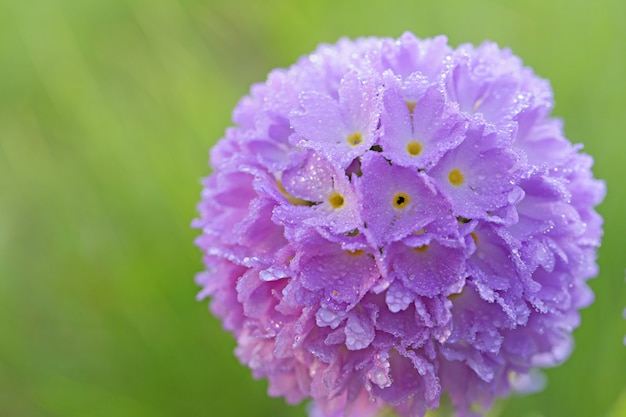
394, 220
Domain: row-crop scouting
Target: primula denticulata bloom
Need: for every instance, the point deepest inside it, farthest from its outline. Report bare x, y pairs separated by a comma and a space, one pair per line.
394, 220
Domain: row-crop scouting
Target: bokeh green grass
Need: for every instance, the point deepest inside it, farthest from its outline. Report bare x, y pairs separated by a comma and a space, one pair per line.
107, 111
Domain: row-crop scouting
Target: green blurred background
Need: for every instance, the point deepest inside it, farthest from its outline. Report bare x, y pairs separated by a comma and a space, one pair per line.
107, 111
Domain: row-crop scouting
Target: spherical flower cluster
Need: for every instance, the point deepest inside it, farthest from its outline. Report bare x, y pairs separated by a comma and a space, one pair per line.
395, 220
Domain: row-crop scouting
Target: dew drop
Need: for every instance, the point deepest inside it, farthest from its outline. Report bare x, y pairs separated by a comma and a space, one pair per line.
327, 315
381, 379
265, 275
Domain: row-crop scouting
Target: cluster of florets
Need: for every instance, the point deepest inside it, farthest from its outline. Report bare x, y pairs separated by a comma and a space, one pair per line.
393, 220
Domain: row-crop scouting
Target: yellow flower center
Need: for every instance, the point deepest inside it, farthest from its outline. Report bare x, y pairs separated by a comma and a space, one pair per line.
422, 248
454, 296
293, 200
357, 252
401, 200
411, 106
336, 200
456, 177
355, 139
414, 148
478, 102
474, 237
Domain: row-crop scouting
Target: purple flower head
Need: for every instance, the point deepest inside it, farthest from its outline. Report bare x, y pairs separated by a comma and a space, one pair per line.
394, 220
